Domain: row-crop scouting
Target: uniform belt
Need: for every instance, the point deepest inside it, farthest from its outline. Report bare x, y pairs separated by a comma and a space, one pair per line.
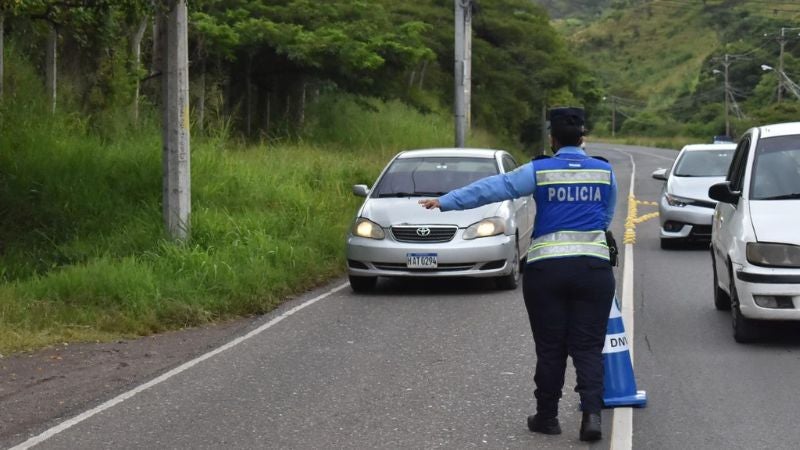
569, 243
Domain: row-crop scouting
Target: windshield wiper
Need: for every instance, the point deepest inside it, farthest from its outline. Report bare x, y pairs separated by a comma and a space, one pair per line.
411, 194
794, 195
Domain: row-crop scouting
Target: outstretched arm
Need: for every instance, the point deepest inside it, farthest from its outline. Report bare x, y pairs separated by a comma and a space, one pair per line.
487, 190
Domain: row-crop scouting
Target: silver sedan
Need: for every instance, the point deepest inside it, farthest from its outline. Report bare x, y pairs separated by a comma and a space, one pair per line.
392, 236
685, 209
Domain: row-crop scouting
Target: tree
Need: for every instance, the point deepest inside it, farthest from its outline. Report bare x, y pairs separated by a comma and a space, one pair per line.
518, 60
354, 45
136, 16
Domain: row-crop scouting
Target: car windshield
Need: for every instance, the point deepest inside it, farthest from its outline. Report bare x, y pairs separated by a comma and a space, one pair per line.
704, 163
776, 169
431, 176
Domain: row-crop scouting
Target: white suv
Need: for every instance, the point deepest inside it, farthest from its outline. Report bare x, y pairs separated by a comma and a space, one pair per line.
755, 234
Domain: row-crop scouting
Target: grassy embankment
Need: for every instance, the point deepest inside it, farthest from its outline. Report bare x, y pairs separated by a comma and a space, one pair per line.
82, 251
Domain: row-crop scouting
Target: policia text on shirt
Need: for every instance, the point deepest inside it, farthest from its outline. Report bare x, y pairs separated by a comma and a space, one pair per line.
569, 283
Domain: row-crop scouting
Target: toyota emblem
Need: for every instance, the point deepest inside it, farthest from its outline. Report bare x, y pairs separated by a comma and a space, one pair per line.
423, 231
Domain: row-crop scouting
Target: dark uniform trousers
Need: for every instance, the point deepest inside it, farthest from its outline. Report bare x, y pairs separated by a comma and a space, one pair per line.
568, 302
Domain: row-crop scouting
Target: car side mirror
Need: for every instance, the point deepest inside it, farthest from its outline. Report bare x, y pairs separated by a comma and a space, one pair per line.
660, 174
722, 192
360, 190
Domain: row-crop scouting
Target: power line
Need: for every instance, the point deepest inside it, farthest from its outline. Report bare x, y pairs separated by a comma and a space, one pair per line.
760, 47
740, 3
690, 101
681, 5
623, 100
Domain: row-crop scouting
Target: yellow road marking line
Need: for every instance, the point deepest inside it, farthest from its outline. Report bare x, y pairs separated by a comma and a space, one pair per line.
634, 218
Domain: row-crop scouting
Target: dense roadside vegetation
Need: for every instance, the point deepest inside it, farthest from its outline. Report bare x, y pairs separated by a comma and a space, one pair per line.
293, 102
84, 255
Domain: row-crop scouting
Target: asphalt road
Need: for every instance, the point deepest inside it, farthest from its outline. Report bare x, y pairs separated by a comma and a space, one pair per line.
705, 390
449, 364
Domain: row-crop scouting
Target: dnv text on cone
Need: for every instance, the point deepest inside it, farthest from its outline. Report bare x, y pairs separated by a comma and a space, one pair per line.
619, 383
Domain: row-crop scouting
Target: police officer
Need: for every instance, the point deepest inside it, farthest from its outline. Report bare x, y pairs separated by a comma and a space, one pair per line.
568, 284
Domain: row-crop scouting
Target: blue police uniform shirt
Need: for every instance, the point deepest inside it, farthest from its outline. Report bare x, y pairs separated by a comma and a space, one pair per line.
565, 206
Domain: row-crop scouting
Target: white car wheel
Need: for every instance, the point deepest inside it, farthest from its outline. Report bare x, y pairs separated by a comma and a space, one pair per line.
511, 281
744, 330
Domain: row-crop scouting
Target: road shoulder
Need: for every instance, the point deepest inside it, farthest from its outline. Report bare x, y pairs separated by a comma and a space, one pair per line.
40, 388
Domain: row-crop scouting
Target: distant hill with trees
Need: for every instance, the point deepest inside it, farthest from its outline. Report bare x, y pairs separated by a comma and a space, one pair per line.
582, 9
661, 63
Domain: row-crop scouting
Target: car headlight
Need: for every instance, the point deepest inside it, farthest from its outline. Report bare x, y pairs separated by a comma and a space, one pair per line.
674, 200
368, 229
486, 227
773, 255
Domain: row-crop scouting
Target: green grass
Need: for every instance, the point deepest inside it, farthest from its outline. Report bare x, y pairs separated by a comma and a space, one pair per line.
83, 256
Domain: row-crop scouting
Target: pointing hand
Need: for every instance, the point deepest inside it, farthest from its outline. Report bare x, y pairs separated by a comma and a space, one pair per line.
429, 203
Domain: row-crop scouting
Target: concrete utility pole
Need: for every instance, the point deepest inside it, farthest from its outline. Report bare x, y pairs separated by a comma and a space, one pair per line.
613, 116
175, 87
726, 61
727, 93
782, 41
613, 100
468, 65
461, 69
790, 85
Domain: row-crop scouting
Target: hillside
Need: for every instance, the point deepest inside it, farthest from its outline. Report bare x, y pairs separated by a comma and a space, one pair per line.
580, 9
647, 54
660, 62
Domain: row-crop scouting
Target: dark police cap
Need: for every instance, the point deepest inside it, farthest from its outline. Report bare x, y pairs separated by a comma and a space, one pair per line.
566, 117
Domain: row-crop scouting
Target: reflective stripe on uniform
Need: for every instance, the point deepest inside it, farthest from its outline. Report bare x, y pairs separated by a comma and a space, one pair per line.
569, 243
572, 176
596, 236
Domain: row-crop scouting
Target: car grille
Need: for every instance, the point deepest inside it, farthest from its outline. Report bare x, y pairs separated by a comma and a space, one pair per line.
440, 268
421, 233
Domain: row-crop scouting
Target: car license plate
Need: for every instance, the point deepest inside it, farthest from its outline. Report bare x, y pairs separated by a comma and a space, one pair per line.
421, 260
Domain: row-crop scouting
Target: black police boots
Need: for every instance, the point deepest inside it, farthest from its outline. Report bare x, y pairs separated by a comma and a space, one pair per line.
544, 426
591, 429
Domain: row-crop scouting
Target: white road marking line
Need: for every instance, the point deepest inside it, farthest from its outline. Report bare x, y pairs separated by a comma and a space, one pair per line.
642, 153
622, 419
183, 367
653, 155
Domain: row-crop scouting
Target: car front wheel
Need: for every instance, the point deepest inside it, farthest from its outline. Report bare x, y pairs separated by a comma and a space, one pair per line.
744, 330
362, 284
722, 301
511, 281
